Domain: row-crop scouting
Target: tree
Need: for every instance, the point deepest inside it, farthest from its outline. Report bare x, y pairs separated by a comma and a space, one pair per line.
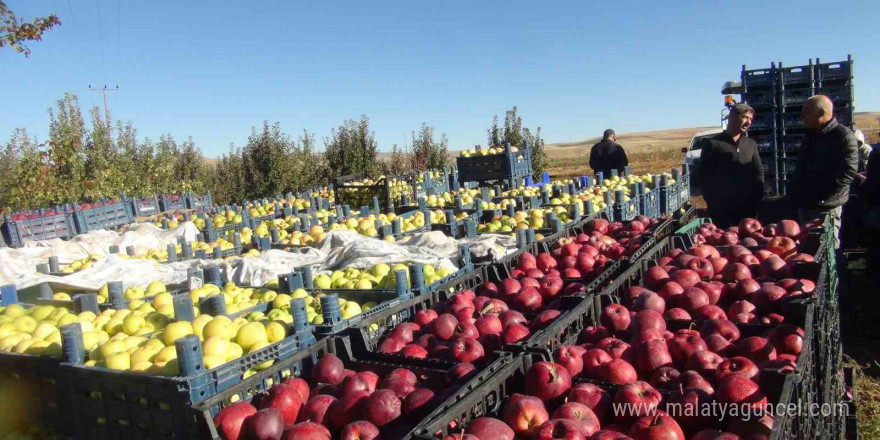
351, 148
67, 141
227, 182
514, 133
428, 154
397, 163
14, 32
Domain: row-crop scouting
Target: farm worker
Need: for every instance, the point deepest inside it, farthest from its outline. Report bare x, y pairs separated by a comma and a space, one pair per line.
732, 176
608, 155
864, 150
827, 164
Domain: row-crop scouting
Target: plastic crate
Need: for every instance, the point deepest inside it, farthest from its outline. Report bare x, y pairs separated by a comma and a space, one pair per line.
792, 142
796, 75
35, 387
504, 166
649, 203
489, 393
788, 165
771, 187
792, 120
840, 71
109, 216
796, 97
844, 115
110, 404
172, 202
760, 98
763, 122
144, 206
198, 201
759, 78
839, 94
17, 229
765, 142
432, 373
383, 194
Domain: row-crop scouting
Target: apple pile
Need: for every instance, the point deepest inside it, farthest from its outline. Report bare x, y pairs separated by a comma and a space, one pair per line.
471, 324
611, 240
780, 236
338, 403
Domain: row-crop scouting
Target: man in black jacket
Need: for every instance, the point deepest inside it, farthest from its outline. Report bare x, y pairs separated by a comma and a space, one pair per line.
826, 166
731, 173
608, 155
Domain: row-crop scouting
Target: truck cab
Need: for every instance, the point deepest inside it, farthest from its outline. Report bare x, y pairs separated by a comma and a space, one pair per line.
692, 157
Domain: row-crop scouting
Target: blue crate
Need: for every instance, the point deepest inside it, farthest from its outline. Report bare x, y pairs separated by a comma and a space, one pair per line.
787, 165
796, 74
110, 404
649, 202
17, 229
844, 115
143, 206
506, 166
759, 77
796, 97
172, 202
198, 201
109, 216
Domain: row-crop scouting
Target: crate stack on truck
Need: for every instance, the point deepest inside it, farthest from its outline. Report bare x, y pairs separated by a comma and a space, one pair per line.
778, 94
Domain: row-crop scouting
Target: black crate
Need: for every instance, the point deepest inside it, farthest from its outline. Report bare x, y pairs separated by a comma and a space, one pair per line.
788, 165
764, 121
172, 202
792, 120
796, 75
760, 98
433, 373
796, 97
844, 115
104, 215
386, 191
792, 142
758, 78
840, 71
839, 94
771, 187
766, 142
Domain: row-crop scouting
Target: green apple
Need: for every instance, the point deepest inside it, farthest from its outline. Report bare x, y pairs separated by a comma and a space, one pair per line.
349, 310
176, 330
368, 305
323, 281
250, 334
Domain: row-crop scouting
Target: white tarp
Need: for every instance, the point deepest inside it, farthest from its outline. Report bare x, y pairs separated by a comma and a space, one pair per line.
340, 249
18, 266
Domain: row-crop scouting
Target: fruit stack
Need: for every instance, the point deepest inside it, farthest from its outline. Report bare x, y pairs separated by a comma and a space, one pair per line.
508, 164
674, 336
358, 190
334, 393
40, 225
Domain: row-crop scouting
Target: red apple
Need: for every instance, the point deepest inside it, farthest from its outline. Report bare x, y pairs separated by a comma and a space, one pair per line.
487, 428
328, 370
570, 357
581, 414
514, 333
286, 400
704, 362
678, 314
655, 277
615, 317
316, 409
787, 339
307, 430
738, 390
547, 381
524, 414
598, 400
652, 355
640, 396
737, 366
721, 327
616, 371
230, 420
382, 407
685, 277
735, 272
265, 424
559, 429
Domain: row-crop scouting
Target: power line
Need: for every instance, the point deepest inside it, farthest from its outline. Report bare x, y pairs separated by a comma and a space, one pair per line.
101, 37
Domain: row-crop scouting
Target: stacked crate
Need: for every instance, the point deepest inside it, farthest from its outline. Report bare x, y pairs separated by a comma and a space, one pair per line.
778, 94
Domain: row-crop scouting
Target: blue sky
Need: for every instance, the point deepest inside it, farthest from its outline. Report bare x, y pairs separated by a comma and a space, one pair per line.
212, 70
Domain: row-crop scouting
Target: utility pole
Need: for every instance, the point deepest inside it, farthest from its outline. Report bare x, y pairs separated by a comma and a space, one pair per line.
104, 91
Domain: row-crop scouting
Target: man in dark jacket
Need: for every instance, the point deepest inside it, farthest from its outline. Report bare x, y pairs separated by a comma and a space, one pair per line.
731, 173
608, 155
827, 164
